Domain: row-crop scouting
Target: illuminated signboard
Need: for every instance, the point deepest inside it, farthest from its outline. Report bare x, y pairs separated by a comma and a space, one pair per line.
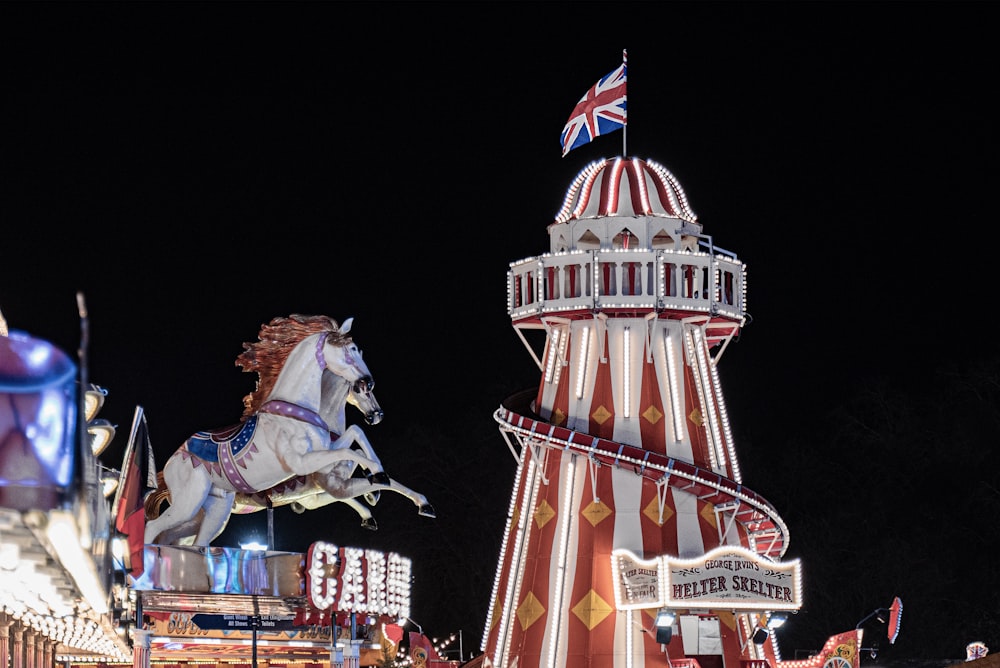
727, 577
328, 580
637, 581
200, 626
351, 579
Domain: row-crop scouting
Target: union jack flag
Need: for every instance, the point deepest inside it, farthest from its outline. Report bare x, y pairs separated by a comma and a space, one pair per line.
600, 111
975, 650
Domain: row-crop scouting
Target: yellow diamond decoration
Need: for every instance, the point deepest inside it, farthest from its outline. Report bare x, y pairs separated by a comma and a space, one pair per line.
595, 512
592, 610
652, 414
601, 415
543, 513
558, 417
695, 416
496, 613
529, 611
708, 514
652, 511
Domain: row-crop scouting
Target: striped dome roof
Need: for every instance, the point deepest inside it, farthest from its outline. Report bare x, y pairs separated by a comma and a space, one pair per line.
625, 187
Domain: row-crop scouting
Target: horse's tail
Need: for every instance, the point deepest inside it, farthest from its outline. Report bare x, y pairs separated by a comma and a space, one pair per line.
153, 504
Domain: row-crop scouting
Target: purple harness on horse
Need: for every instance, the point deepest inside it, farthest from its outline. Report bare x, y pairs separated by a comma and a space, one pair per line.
227, 449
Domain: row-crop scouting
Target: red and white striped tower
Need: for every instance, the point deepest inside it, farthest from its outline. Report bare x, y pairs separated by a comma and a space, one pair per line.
628, 497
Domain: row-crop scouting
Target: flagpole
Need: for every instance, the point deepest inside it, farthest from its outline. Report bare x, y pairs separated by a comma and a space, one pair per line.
625, 125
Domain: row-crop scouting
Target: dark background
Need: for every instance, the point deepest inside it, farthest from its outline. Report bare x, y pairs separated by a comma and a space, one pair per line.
196, 169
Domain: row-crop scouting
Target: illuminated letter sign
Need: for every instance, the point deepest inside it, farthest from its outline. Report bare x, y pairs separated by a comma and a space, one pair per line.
727, 577
322, 569
732, 577
355, 580
637, 581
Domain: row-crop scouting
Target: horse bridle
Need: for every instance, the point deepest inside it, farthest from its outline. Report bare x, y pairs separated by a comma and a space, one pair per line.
363, 386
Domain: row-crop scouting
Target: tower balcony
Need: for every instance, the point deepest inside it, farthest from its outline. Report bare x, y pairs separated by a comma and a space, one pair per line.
619, 280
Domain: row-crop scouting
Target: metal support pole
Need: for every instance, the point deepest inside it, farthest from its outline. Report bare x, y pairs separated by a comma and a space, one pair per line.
254, 625
270, 524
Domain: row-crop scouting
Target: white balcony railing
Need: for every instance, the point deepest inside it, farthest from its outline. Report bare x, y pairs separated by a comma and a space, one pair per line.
627, 279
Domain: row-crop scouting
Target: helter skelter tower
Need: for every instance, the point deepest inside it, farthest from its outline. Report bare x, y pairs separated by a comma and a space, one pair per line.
628, 499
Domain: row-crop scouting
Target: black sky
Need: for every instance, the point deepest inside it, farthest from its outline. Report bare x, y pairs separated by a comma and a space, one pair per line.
196, 169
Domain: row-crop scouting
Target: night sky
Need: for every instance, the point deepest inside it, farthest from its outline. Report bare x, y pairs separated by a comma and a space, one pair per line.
196, 169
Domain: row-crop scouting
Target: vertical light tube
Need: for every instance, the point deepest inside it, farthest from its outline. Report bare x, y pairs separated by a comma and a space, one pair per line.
540, 283
581, 371
700, 355
673, 385
596, 276
553, 354
563, 339
515, 578
727, 431
630, 637
691, 350
567, 514
627, 372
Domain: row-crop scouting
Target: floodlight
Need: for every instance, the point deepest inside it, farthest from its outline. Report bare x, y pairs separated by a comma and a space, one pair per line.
664, 618
776, 620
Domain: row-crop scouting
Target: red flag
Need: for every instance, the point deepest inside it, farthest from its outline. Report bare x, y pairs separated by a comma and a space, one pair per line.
422, 649
895, 619
138, 478
392, 635
393, 632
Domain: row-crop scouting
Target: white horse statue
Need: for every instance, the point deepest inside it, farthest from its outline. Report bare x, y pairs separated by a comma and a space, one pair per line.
286, 448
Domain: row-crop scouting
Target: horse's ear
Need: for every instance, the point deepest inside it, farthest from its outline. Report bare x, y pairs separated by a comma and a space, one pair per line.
346, 326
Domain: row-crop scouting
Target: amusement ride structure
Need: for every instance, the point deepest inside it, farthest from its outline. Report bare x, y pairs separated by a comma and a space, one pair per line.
631, 538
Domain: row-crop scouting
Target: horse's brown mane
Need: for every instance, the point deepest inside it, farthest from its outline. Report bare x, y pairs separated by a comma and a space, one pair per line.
275, 342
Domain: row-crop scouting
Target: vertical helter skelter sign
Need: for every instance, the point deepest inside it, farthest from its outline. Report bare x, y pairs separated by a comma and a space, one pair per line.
637, 581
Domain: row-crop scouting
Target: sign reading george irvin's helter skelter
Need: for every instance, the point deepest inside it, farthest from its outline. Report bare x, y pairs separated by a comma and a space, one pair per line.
728, 576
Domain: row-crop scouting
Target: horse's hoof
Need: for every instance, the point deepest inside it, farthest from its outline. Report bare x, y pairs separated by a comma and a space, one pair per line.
427, 510
380, 478
372, 497
297, 508
370, 524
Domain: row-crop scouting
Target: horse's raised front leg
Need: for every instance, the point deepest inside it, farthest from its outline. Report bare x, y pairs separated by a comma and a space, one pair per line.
354, 435
309, 460
319, 460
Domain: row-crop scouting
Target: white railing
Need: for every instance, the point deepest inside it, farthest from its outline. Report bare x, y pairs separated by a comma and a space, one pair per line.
623, 279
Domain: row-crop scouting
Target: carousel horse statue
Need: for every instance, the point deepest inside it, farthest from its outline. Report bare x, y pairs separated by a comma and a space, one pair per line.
337, 483
293, 429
